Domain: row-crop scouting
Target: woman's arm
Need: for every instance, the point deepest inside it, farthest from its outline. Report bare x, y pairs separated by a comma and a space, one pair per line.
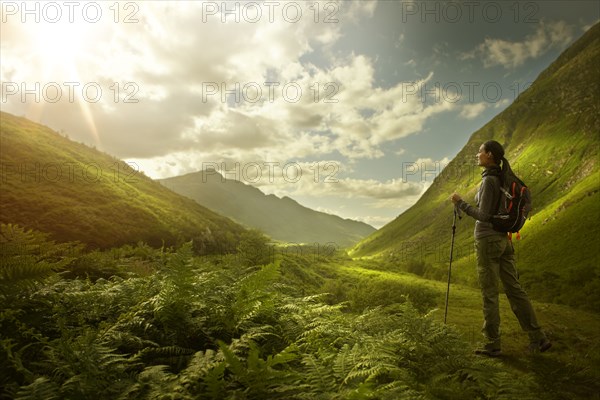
488, 199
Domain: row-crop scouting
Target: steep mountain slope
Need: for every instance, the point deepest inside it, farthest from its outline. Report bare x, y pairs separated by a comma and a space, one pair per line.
281, 218
550, 134
74, 192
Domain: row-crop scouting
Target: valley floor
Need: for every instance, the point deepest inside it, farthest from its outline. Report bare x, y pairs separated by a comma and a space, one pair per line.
569, 370
142, 323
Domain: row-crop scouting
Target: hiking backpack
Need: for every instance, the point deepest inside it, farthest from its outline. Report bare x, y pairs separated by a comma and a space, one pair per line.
514, 205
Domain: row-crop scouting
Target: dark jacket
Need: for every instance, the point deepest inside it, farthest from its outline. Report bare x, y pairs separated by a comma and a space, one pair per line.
487, 201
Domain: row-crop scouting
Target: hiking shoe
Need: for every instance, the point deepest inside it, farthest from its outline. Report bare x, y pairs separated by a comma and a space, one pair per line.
488, 352
540, 345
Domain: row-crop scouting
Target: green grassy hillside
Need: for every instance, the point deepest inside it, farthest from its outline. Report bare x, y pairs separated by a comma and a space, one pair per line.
74, 192
251, 207
550, 134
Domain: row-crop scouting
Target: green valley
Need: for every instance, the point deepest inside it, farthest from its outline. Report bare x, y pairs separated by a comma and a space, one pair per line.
117, 286
551, 138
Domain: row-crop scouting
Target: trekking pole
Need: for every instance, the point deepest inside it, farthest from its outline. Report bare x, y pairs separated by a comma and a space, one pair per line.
456, 213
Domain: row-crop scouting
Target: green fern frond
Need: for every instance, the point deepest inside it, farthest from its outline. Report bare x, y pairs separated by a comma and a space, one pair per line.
155, 382
174, 356
345, 361
285, 356
165, 351
233, 362
205, 374
318, 374
254, 335
214, 384
27, 258
40, 389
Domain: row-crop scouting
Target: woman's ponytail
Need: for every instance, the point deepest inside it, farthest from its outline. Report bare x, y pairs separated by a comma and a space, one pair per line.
498, 153
505, 169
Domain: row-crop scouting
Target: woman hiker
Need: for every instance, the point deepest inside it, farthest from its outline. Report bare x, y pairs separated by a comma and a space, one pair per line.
495, 257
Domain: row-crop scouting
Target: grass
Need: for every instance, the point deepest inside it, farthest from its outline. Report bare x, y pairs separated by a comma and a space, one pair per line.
45, 187
569, 370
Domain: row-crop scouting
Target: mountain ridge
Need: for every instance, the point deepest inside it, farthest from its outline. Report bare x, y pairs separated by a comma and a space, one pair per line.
77, 193
282, 218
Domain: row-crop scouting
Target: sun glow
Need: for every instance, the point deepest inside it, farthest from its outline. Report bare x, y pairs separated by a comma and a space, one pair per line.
58, 45
59, 50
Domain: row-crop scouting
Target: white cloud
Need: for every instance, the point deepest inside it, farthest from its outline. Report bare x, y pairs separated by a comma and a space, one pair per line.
399, 41
392, 189
556, 34
394, 204
502, 103
472, 111
174, 62
169, 60
429, 161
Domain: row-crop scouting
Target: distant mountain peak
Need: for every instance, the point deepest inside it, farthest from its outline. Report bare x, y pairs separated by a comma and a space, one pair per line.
282, 218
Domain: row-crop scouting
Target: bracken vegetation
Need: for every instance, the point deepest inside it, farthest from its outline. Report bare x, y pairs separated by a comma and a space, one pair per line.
142, 323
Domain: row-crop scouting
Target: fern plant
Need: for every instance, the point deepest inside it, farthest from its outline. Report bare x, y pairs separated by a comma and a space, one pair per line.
217, 329
28, 258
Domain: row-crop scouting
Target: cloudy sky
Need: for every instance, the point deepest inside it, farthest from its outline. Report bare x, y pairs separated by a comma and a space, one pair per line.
349, 107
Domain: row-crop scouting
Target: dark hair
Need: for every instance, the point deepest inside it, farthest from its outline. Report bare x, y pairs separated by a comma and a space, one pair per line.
498, 153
